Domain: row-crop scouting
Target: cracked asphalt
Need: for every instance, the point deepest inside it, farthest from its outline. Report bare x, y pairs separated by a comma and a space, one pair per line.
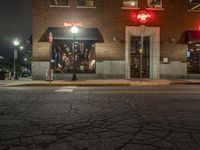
100, 118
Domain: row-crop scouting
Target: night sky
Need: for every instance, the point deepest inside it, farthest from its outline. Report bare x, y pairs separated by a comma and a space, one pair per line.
15, 22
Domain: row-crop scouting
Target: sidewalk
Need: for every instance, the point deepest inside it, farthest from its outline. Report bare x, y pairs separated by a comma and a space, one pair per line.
185, 81
104, 82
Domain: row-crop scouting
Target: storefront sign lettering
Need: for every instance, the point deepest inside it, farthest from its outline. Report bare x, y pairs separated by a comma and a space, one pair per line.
78, 24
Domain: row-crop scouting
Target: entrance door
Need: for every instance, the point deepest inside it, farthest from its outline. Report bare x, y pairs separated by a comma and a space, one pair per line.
193, 58
135, 57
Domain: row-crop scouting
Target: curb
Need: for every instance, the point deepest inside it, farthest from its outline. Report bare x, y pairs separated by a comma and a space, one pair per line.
68, 84
112, 83
195, 83
86, 84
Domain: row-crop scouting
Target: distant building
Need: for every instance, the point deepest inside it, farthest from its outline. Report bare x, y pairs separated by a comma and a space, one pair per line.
108, 44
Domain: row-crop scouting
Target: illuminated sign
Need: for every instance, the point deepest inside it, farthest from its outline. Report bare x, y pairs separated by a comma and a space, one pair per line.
70, 24
143, 16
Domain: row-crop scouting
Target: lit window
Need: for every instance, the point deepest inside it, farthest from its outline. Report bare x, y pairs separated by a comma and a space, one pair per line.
193, 58
59, 2
154, 3
86, 3
62, 57
130, 3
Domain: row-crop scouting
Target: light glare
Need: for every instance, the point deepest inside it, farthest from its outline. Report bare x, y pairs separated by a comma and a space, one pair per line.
16, 42
74, 29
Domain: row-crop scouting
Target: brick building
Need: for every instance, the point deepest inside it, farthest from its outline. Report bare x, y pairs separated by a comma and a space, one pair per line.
108, 44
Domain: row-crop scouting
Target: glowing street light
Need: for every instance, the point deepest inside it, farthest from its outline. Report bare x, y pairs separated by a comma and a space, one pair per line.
21, 47
74, 30
16, 44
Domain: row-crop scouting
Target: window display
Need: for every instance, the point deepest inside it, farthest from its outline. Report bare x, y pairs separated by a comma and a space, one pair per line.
86, 3
62, 57
59, 2
154, 3
193, 58
130, 3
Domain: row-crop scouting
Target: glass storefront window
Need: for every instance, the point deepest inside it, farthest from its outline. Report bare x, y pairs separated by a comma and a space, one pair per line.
86, 3
130, 3
154, 3
59, 2
193, 58
135, 57
62, 57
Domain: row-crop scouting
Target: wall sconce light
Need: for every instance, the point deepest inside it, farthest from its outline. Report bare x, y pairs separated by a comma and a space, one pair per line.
165, 60
114, 39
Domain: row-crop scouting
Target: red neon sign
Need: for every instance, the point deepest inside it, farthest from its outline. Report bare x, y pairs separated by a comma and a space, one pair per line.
78, 24
143, 16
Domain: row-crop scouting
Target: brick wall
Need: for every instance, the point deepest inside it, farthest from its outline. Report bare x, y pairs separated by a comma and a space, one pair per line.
111, 20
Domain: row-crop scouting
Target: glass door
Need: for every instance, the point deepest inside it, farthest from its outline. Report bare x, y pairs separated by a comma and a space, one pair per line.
135, 57
193, 58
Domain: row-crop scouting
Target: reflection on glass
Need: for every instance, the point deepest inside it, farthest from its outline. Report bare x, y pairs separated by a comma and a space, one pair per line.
130, 3
193, 58
62, 57
87, 3
135, 57
59, 2
155, 3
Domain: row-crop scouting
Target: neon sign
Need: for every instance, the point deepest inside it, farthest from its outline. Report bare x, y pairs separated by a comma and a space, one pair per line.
70, 24
143, 16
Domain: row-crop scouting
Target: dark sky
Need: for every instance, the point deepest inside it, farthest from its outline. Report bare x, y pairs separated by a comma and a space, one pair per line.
15, 22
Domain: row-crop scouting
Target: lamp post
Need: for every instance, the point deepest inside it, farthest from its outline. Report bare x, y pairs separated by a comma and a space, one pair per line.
141, 56
15, 43
142, 17
25, 61
74, 30
141, 52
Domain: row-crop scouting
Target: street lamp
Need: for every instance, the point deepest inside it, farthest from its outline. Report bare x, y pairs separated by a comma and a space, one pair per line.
74, 30
141, 52
21, 47
15, 43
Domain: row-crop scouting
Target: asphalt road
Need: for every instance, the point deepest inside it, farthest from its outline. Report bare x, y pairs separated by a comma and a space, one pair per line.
100, 118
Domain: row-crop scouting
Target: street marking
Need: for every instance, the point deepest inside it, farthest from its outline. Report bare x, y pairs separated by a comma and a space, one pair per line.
64, 90
67, 89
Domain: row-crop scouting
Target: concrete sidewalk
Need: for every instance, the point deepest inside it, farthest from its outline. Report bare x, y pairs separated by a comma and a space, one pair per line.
103, 82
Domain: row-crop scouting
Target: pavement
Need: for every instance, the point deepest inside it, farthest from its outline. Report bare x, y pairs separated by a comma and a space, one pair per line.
100, 118
104, 82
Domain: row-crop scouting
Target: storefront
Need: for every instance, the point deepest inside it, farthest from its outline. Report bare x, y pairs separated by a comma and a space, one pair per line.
108, 44
150, 54
193, 53
61, 52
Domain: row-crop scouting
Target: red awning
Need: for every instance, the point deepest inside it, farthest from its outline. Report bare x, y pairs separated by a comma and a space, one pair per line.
193, 36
